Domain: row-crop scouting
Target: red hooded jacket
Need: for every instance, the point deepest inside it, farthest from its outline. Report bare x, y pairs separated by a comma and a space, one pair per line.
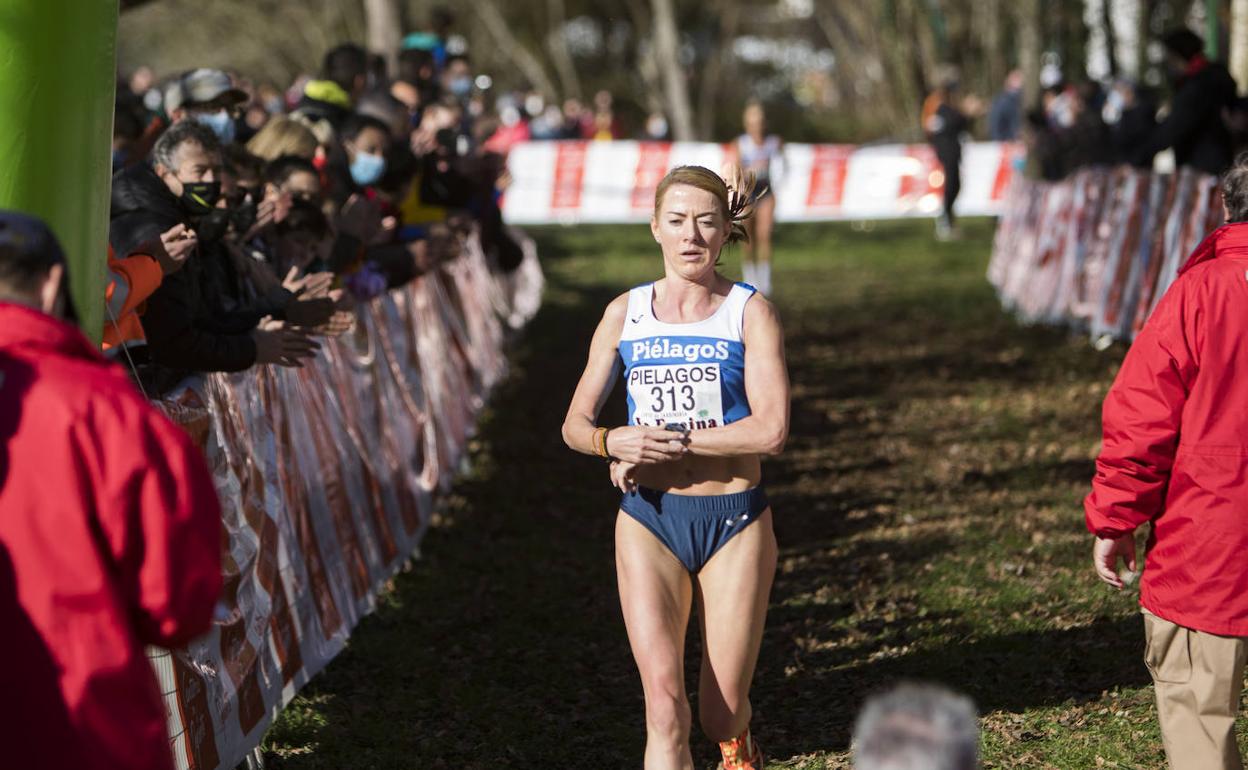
110, 536
1175, 445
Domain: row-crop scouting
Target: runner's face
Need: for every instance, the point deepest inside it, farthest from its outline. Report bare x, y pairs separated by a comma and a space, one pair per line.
691, 229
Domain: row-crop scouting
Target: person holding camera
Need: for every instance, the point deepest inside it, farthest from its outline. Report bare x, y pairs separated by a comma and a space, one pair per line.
708, 396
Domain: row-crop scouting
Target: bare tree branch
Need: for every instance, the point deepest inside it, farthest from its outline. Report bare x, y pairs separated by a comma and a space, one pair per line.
524, 60
557, 46
710, 88
385, 29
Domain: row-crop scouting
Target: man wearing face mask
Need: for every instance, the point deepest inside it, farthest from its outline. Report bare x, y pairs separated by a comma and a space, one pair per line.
187, 330
457, 77
109, 538
209, 97
1194, 127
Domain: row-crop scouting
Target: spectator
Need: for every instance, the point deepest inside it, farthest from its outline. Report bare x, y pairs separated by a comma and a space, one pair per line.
1044, 151
294, 176
417, 83
656, 127
457, 77
917, 727
127, 132
1131, 116
135, 277
1005, 117
1087, 141
383, 106
441, 21
110, 535
361, 160
185, 333
344, 76
605, 125
1174, 424
206, 96
284, 136
577, 121
1194, 127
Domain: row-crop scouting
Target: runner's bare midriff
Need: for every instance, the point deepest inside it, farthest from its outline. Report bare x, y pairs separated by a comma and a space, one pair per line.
693, 475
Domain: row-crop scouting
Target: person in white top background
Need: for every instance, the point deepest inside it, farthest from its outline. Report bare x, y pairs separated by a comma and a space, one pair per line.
758, 152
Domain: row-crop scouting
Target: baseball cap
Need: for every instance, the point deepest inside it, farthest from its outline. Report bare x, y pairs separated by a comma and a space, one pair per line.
199, 87
28, 248
420, 41
26, 241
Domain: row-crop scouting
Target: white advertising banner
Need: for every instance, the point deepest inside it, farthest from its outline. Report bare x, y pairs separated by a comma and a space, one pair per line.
613, 182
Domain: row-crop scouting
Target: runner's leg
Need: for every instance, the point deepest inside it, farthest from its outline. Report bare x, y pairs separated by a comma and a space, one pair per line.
733, 588
764, 223
656, 594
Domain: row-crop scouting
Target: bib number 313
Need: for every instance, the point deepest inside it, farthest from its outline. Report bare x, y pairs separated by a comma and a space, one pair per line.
685, 393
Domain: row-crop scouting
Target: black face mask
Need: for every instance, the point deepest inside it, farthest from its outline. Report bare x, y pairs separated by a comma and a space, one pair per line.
200, 197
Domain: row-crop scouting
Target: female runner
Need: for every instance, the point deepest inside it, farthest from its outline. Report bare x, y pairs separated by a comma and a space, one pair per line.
708, 395
755, 150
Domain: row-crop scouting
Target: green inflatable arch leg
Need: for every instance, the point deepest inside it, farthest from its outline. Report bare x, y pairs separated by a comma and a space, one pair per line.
57, 86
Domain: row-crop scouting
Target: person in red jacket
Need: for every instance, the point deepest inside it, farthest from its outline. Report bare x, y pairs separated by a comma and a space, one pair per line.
1175, 454
110, 533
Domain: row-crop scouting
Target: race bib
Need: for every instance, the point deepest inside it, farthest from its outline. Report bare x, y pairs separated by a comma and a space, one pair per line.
683, 393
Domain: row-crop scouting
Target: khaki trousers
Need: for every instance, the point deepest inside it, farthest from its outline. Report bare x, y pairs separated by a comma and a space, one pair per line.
1197, 678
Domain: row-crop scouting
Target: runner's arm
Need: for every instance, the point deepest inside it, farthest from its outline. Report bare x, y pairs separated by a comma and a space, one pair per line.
766, 388
634, 444
597, 379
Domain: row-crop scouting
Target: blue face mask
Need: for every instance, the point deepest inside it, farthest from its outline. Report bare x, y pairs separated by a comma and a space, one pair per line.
367, 169
221, 123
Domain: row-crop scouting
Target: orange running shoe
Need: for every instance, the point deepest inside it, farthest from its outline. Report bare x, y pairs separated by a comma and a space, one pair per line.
741, 753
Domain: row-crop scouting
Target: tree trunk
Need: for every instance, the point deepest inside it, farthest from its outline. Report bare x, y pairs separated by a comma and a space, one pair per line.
1239, 44
710, 88
1111, 39
1028, 19
667, 55
524, 60
565, 68
385, 27
994, 57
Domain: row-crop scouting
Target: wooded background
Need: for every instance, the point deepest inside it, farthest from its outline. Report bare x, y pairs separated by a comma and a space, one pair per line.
850, 71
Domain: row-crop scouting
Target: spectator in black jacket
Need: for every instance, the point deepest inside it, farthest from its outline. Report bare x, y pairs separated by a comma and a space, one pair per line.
1087, 142
1132, 116
1194, 127
184, 334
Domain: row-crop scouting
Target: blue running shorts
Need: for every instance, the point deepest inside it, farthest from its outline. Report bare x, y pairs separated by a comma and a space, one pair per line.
694, 527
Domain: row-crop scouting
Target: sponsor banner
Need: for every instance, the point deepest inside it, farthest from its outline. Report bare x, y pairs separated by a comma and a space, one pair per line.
603, 182
1099, 249
327, 476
